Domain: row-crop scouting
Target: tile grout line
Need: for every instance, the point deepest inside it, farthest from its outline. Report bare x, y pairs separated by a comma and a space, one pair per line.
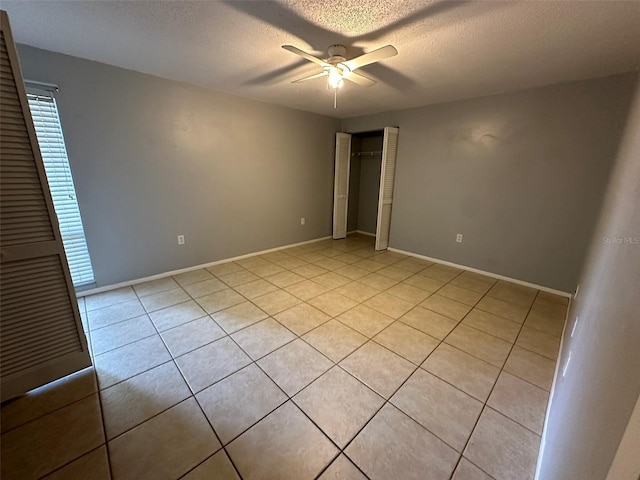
172, 360
420, 366
92, 367
494, 383
31, 420
369, 339
99, 390
57, 469
195, 399
491, 392
388, 400
489, 364
253, 361
289, 398
300, 337
349, 327
100, 405
104, 428
314, 247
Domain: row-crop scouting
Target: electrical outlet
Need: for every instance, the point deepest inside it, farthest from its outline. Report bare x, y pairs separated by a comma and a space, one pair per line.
459, 238
180, 239
302, 221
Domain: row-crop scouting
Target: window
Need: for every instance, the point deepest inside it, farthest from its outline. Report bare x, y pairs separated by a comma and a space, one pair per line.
56, 163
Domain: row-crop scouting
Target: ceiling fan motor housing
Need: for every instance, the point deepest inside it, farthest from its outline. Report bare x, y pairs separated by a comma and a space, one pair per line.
337, 50
336, 54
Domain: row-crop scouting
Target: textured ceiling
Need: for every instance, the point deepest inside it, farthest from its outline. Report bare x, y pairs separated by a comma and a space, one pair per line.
447, 50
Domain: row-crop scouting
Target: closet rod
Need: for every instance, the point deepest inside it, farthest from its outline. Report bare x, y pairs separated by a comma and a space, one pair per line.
359, 154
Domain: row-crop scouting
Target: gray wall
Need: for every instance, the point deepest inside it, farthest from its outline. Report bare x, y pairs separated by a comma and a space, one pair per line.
594, 398
369, 185
153, 158
520, 175
369, 189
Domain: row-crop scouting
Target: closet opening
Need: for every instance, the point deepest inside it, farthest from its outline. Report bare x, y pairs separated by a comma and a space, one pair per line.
364, 177
364, 182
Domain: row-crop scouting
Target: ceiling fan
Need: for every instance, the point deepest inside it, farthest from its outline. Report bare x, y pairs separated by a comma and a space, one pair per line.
337, 68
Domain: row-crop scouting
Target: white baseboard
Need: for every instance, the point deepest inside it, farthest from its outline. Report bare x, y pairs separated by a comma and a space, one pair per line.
556, 372
106, 288
483, 272
365, 233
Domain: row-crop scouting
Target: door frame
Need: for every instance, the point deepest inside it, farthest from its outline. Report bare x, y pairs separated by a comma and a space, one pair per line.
340, 231
385, 131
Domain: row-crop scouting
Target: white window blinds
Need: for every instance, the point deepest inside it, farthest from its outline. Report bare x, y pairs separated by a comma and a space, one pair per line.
56, 163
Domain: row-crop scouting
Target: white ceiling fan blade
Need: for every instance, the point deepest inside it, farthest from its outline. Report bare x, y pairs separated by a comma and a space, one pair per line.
371, 57
311, 77
359, 79
305, 55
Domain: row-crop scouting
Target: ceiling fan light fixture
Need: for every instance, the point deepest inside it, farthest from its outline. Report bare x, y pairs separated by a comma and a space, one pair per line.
335, 78
337, 68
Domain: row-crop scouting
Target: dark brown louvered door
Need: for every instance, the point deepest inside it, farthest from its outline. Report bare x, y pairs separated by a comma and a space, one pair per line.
41, 336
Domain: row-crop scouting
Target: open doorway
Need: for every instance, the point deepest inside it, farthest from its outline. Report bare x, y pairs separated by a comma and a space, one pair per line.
364, 182
364, 178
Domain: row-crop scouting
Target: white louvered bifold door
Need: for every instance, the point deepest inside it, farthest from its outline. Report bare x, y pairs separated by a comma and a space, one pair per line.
387, 178
41, 337
341, 185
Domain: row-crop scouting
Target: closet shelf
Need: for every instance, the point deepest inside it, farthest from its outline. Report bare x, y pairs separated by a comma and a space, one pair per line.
362, 154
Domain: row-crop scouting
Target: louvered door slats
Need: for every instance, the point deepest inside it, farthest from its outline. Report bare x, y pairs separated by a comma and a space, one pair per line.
40, 330
21, 190
387, 180
35, 304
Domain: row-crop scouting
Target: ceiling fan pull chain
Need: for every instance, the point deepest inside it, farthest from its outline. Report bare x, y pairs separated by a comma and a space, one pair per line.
335, 98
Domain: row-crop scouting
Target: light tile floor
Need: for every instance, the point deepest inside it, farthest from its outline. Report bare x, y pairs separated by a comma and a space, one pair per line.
328, 360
